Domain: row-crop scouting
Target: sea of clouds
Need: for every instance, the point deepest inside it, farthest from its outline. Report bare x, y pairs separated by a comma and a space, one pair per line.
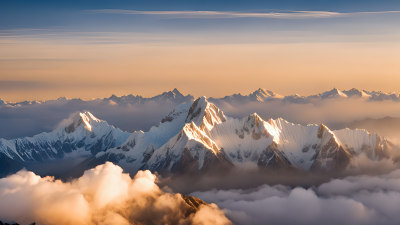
361, 199
28, 120
367, 192
103, 195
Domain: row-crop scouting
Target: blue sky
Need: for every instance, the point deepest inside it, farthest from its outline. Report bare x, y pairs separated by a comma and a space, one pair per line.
328, 5
159, 45
18, 14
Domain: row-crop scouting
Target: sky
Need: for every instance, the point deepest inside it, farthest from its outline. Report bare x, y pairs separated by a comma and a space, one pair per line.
91, 49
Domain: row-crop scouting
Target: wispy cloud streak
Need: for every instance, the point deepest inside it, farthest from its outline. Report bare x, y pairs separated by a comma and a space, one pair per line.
232, 14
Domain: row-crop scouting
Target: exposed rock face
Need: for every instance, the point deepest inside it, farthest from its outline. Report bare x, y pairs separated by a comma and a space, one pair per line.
272, 158
330, 155
193, 204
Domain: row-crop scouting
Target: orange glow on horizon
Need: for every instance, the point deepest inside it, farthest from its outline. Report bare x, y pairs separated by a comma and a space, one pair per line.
99, 70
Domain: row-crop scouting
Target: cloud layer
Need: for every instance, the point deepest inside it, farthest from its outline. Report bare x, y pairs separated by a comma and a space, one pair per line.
336, 113
28, 120
232, 14
103, 195
352, 200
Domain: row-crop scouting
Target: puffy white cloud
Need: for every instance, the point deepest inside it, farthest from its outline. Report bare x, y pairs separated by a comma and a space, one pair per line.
103, 195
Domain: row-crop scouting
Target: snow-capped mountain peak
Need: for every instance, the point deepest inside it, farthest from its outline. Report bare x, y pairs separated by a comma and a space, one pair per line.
80, 134
176, 92
333, 94
323, 130
261, 95
254, 119
205, 114
85, 119
173, 94
356, 93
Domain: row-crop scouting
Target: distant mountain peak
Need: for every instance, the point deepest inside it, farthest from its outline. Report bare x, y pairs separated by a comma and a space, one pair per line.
63, 98
333, 93
264, 92
261, 95
260, 91
354, 92
175, 93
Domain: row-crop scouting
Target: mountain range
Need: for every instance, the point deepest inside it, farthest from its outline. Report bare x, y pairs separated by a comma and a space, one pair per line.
173, 96
133, 112
196, 137
259, 95
262, 95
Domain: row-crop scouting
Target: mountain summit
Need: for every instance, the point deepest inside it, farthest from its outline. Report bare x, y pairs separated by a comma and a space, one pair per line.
205, 114
262, 95
85, 119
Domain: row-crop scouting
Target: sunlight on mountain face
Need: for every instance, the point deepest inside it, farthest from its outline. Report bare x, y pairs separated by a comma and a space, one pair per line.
289, 112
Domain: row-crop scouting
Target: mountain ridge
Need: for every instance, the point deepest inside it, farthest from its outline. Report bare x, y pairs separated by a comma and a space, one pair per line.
273, 143
259, 95
197, 137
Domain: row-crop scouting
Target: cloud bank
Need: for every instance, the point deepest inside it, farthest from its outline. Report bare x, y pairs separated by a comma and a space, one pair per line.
28, 120
237, 14
103, 195
336, 113
359, 199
